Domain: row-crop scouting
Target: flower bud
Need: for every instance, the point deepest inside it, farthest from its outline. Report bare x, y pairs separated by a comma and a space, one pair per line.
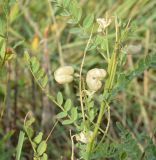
84, 137
94, 77
64, 74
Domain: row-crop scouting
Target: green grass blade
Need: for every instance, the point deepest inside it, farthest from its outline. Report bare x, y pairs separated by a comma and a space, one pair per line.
19, 145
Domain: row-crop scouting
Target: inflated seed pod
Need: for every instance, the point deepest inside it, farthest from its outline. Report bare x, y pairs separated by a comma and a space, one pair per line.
64, 74
94, 77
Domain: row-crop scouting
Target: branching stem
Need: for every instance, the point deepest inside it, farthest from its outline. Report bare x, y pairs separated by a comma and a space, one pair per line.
108, 86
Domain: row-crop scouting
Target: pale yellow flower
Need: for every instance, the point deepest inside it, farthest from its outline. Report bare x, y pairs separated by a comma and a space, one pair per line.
103, 23
84, 136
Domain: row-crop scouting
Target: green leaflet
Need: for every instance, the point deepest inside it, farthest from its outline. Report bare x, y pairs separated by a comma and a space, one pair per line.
61, 115
88, 21
34, 64
44, 157
29, 131
28, 127
59, 98
42, 148
76, 12
38, 138
74, 114
2, 48
67, 105
30, 122
67, 122
75, 30
44, 81
38, 72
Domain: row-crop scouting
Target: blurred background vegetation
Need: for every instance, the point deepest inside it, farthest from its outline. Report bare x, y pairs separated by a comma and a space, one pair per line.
36, 25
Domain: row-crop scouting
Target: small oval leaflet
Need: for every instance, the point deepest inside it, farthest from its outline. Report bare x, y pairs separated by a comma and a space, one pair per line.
38, 138
61, 115
88, 21
41, 148
59, 98
34, 64
74, 114
68, 121
67, 105
44, 157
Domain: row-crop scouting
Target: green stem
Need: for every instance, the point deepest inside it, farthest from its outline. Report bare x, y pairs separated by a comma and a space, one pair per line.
97, 125
108, 86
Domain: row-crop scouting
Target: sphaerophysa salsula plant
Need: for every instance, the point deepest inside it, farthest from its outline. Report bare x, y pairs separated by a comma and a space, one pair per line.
97, 88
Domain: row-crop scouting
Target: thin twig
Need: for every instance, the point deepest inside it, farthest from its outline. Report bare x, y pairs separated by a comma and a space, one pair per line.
72, 155
51, 131
80, 82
